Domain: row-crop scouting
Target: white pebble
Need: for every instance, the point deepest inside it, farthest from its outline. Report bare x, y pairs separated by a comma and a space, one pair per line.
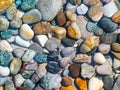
82, 9
19, 14
99, 58
4, 71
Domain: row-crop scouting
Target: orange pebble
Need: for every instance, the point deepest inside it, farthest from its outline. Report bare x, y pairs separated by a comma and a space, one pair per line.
67, 88
102, 89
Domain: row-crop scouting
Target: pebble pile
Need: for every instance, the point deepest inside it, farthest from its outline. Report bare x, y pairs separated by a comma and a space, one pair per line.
59, 45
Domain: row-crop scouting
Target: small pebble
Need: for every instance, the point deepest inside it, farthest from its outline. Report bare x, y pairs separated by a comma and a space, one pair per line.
68, 41
116, 17
29, 84
116, 65
67, 88
36, 47
65, 61
3, 80
99, 58
66, 81
18, 52
115, 47
16, 23
70, 16
91, 2
116, 85
6, 34
116, 54
70, 7
4, 71
82, 9
104, 48
9, 85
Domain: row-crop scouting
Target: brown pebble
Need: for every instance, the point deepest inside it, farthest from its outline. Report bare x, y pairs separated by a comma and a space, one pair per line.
66, 81
22, 88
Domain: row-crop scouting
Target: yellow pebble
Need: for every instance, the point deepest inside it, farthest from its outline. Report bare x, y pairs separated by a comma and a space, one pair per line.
67, 88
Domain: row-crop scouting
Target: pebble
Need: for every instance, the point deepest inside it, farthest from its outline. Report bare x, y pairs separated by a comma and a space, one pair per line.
74, 70
95, 84
1, 88
4, 45
50, 81
116, 17
26, 32
42, 28
66, 81
38, 87
107, 25
81, 83
59, 32
49, 10
70, 16
4, 23
115, 47
104, 48
16, 23
106, 1
11, 12
6, 34
11, 39
108, 82
9, 85
68, 42
75, 2
96, 12
67, 88
87, 71
27, 74
91, 2
19, 14
99, 58
36, 47
32, 16
116, 65
18, 52
116, 85
28, 55
65, 61
70, 7
3, 80
110, 9
74, 31
28, 84
82, 9
21, 88
22, 42
15, 65
116, 54
52, 44
4, 71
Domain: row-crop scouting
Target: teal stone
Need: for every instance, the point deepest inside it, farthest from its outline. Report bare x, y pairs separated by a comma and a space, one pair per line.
29, 84
6, 34
4, 58
27, 4
27, 74
18, 3
40, 57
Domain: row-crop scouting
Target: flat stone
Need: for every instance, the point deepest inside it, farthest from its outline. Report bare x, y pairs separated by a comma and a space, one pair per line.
71, 16
4, 71
91, 2
36, 47
116, 65
82, 9
18, 52
9, 85
65, 61
104, 48
99, 58
66, 81
115, 47
116, 54
6, 34
29, 84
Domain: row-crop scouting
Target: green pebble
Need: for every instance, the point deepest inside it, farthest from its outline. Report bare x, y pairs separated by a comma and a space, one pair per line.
6, 34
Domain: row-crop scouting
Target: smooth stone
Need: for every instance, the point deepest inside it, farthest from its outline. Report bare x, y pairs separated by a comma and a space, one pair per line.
4, 71
67, 88
96, 12
70, 7
110, 9
98, 32
9, 85
26, 32
106, 1
49, 10
116, 54
91, 2
104, 48
19, 14
50, 81
68, 52
6, 34
4, 58
81, 83
59, 32
21, 88
95, 84
27, 74
32, 16
108, 38
117, 84
75, 2
74, 70
14, 31
11, 39
65, 72
82, 58
41, 39
107, 25
82, 9
65, 61
29, 84
115, 47
82, 22
27, 5
42, 28
116, 65
18, 52
15, 65
99, 58
36, 47
22, 42
70, 16
61, 19
116, 17
11, 12
16, 22
38, 87
53, 67
3, 80
4, 45
1, 88
68, 42
35, 78
52, 44
4, 23
66, 81
104, 69
40, 58
74, 31
18, 80
28, 55
87, 71
108, 82
89, 44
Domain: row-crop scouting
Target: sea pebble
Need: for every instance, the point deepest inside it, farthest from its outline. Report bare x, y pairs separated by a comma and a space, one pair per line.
116, 65
95, 84
9, 85
16, 23
70, 7
82, 9
6, 34
116, 85
3, 80
21, 88
32, 16
41, 39
22, 42
50, 81
67, 88
87, 71
99, 58
42, 28
27, 74
11, 12
115, 47
116, 54
110, 9
38, 87
106, 1
4, 23
28, 55
75, 2
74, 70
11, 39
66, 81
68, 41
70, 16
104, 48
65, 61
36, 47
4, 45
91, 2
18, 52
74, 31
116, 17
95, 12
19, 14
4, 71
29, 84
15, 65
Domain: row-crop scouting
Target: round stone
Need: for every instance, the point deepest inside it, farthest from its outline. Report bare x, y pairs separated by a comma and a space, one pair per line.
6, 34
67, 88
115, 47
16, 23
4, 71
116, 17
36, 47
68, 41
29, 84
66, 81
82, 9
104, 48
99, 58
91, 2
18, 52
